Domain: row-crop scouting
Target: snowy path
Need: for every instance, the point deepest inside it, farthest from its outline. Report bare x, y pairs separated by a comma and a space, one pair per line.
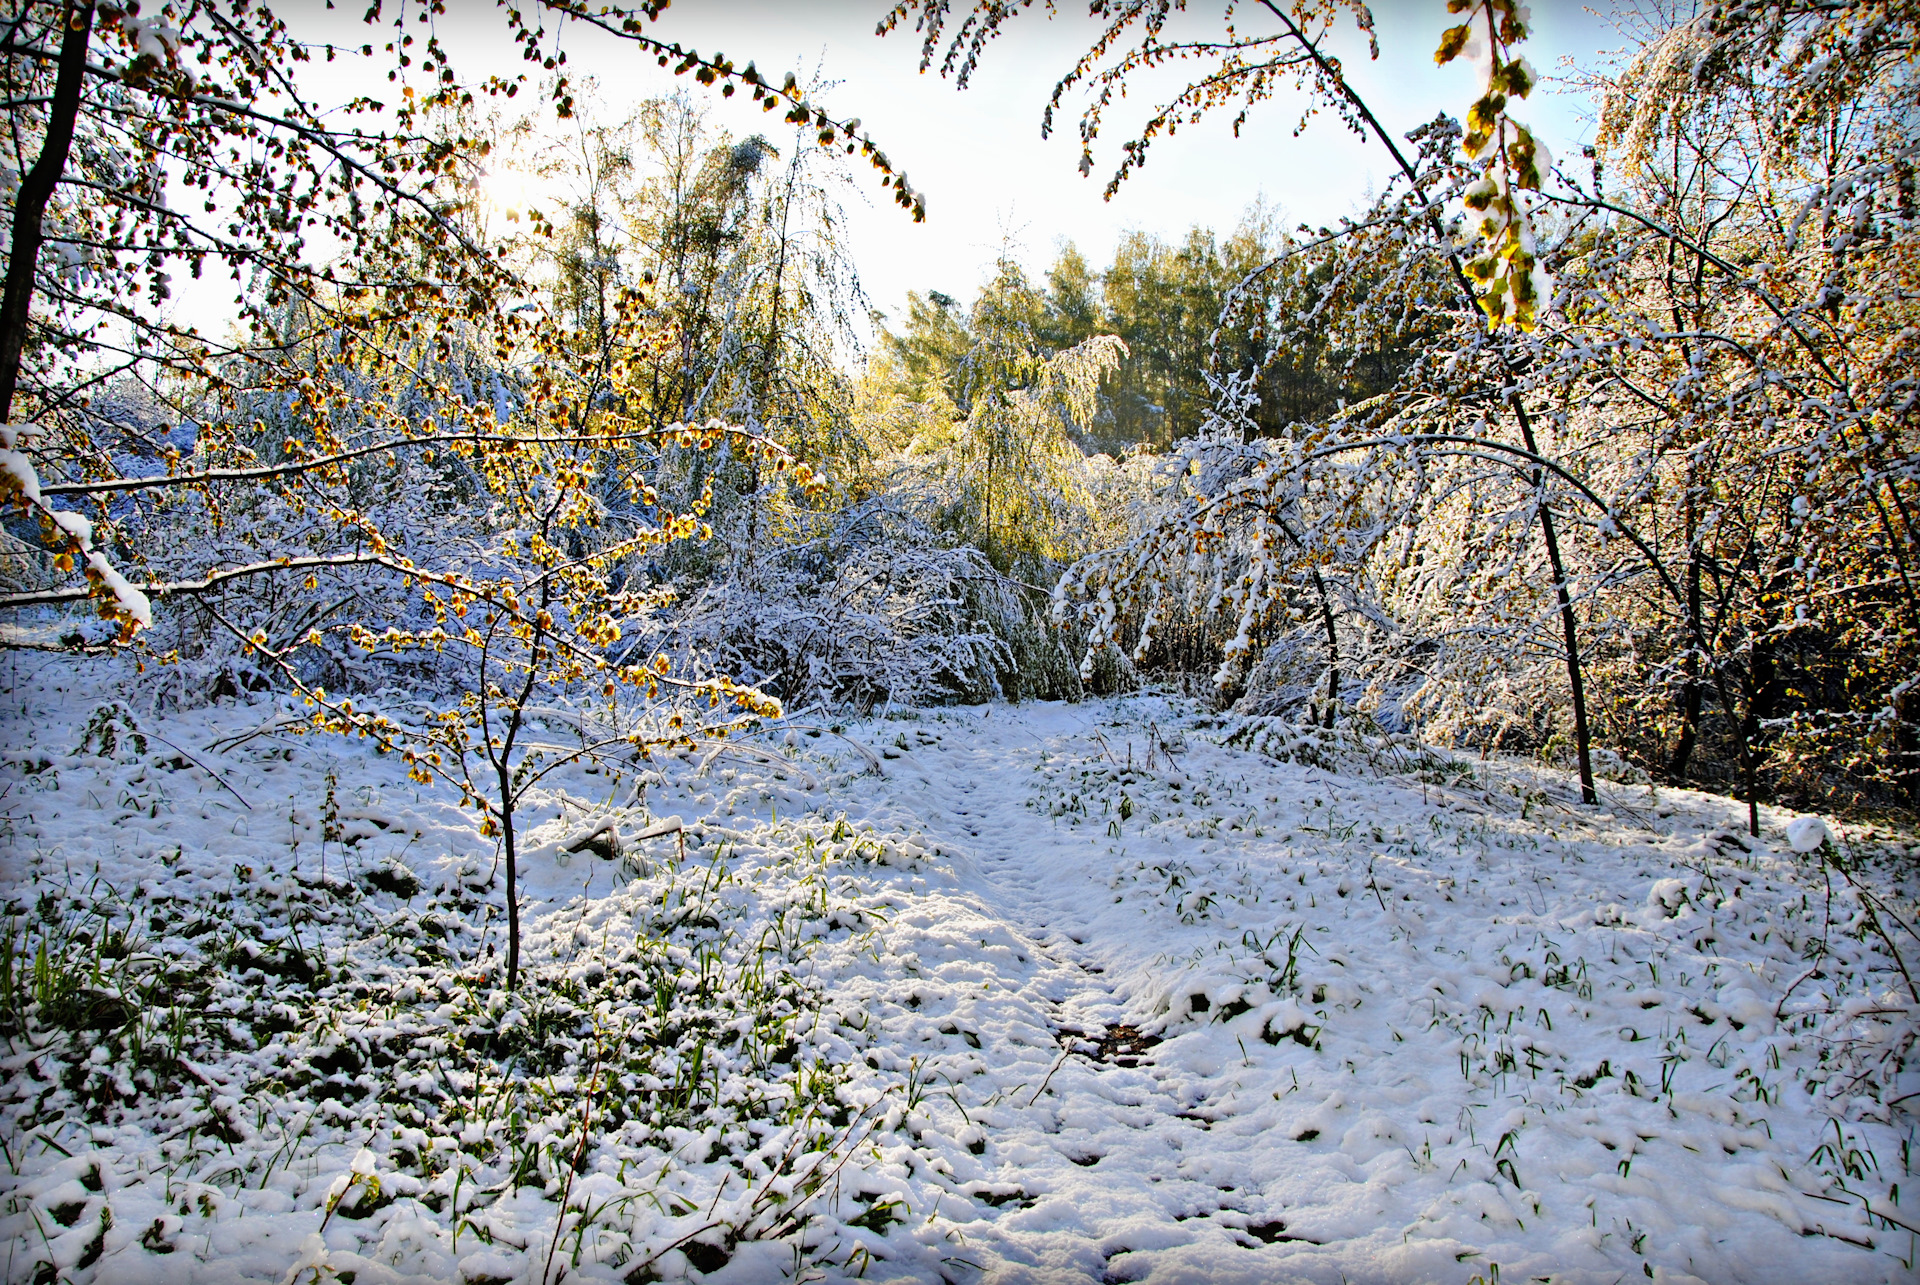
1281, 1008
1526, 1043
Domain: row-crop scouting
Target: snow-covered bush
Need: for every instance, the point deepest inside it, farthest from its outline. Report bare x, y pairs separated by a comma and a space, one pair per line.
877, 607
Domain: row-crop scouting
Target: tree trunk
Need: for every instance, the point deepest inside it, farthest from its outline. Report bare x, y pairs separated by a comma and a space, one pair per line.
1569, 623
1763, 694
1333, 649
76, 21
1906, 746
513, 884
1689, 730
1690, 695
503, 772
1569, 626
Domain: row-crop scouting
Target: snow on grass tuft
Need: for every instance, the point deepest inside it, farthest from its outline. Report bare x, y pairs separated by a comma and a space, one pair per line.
1808, 834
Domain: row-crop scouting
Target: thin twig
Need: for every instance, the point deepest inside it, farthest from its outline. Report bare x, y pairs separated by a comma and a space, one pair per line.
217, 778
1780, 1007
1057, 1064
579, 1154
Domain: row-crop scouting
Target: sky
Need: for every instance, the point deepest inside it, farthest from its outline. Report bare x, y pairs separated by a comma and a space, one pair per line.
991, 181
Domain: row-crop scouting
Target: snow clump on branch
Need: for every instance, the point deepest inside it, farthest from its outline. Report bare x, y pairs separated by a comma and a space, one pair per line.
19, 481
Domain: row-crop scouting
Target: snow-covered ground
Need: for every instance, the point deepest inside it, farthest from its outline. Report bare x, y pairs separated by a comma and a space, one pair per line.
1115, 991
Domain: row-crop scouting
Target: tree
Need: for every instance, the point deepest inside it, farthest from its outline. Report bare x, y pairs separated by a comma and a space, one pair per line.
1750, 284
1503, 278
1002, 415
1697, 370
378, 330
147, 152
530, 619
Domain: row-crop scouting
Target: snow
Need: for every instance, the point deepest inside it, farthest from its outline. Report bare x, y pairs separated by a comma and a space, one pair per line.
130, 601
16, 467
1808, 834
151, 38
1041, 1002
17, 474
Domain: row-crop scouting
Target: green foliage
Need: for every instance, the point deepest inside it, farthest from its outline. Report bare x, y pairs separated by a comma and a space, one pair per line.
1188, 312
1001, 416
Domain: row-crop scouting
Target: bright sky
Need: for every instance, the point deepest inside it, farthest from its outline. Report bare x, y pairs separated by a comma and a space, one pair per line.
988, 175
989, 178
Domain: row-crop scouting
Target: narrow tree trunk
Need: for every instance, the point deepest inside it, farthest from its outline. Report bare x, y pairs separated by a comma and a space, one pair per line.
1689, 730
1333, 649
1906, 746
1569, 623
1690, 695
503, 772
513, 879
988, 522
30, 206
1569, 626
1762, 698
769, 370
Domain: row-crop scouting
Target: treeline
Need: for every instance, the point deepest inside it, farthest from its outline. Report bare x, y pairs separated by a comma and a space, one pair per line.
1189, 314
1527, 459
